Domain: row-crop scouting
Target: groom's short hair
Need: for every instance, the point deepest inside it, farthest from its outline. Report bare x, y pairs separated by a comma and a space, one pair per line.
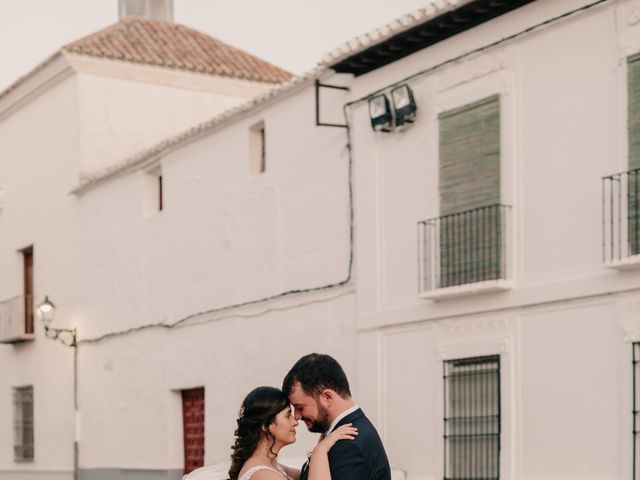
316, 372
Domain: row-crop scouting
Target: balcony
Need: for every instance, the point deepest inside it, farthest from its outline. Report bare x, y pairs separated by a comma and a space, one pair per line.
464, 253
621, 220
16, 319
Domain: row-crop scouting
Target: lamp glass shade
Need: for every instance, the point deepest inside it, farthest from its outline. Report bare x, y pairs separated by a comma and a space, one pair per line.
401, 97
380, 113
46, 310
378, 106
404, 105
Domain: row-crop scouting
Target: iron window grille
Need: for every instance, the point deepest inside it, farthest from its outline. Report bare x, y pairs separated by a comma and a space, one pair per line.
472, 418
23, 450
636, 409
464, 247
621, 215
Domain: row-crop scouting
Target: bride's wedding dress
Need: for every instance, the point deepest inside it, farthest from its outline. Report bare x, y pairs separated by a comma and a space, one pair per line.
247, 475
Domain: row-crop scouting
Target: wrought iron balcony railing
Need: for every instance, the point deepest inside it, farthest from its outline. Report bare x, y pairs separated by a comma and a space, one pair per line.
463, 248
621, 216
16, 319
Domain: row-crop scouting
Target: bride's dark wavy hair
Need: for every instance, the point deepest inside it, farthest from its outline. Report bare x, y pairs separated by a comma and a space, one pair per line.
259, 409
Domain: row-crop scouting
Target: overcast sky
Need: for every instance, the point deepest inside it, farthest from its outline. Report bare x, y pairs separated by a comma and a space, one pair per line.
293, 34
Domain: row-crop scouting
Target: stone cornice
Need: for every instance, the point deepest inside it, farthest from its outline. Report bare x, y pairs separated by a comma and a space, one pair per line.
170, 77
49, 73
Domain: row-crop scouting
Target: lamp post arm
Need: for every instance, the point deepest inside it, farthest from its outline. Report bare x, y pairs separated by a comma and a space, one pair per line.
68, 336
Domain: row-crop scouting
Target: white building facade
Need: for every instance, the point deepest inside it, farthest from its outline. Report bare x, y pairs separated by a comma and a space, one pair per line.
496, 295
472, 269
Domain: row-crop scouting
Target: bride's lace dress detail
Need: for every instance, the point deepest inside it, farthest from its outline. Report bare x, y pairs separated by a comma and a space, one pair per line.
247, 475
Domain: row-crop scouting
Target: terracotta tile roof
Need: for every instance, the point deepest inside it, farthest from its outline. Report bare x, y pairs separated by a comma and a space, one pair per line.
138, 40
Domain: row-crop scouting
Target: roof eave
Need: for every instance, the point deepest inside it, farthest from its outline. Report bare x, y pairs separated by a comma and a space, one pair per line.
416, 32
48, 73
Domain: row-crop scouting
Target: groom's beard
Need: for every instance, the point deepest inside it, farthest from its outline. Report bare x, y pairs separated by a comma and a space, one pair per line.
322, 423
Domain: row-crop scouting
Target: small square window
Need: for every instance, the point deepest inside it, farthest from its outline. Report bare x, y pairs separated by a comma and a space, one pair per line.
257, 149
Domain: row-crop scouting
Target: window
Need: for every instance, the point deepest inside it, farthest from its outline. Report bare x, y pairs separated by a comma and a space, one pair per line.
154, 185
161, 10
472, 418
633, 175
27, 262
23, 424
193, 427
257, 149
470, 226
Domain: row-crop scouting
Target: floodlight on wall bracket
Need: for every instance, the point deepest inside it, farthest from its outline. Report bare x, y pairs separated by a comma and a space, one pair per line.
384, 118
404, 105
46, 311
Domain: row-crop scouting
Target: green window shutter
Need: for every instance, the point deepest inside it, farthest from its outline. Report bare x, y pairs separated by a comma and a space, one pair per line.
633, 185
470, 156
633, 87
471, 218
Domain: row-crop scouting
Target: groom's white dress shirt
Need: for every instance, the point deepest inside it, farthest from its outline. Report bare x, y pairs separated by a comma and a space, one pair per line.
340, 417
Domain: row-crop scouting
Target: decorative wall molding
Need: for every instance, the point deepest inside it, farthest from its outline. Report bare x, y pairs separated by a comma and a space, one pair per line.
631, 334
629, 45
51, 72
632, 14
468, 71
474, 325
173, 78
474, 347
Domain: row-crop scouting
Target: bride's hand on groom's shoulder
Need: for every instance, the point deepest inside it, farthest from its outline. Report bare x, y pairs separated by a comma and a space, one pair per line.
343, 432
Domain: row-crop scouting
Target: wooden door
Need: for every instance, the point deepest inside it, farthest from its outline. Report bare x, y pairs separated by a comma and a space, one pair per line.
193, 426
28, 290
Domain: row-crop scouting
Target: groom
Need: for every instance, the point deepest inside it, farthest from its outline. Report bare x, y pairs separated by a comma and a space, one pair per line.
319, 392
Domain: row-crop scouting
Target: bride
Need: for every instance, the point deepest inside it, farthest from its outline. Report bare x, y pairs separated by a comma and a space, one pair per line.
265, 425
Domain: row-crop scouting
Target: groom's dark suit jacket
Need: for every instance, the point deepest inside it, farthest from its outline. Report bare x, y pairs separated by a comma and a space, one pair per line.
363, 458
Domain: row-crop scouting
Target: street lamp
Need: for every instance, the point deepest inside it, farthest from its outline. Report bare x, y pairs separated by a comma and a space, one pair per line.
46, 311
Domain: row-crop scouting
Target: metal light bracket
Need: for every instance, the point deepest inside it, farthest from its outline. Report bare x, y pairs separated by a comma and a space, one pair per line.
318, 87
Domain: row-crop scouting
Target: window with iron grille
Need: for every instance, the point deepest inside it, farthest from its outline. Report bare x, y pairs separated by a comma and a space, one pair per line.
636, 410
472, 418
23, 424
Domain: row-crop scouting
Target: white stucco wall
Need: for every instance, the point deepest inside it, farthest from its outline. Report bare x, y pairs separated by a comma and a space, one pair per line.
224, 237
38, 167
130, 403
120, 117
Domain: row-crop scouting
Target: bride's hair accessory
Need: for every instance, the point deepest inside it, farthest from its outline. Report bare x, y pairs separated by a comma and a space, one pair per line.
241, 413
